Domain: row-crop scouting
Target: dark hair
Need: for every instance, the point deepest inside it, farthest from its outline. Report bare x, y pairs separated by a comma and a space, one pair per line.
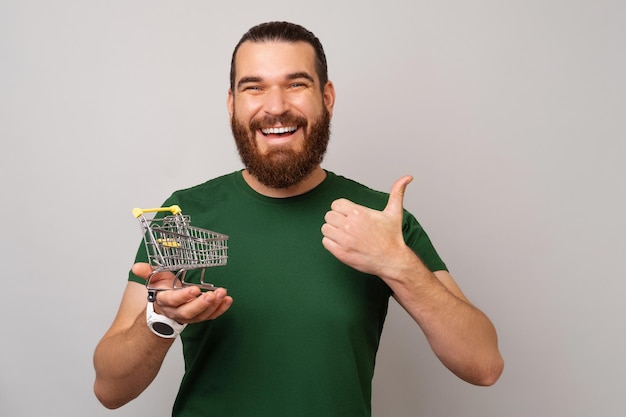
285, 32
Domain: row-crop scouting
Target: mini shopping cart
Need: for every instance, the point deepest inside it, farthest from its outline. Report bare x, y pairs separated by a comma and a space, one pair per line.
173, 245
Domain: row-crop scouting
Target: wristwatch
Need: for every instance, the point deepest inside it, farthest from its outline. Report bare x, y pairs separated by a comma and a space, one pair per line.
161, 325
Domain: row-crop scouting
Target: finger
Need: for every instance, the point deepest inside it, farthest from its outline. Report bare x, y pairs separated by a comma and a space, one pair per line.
334, 218
183, 304
225, 301
330, 232
142, 269
396, 196
330, 245
207, 306
217, 294
342, 206
176, 298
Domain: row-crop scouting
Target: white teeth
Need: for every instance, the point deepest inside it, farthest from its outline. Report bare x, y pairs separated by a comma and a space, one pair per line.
279, 130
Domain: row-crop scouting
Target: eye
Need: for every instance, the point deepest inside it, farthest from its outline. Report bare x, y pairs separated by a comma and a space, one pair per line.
298, 85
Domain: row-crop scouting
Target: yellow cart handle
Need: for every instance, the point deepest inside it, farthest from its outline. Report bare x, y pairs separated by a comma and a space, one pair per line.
139, 212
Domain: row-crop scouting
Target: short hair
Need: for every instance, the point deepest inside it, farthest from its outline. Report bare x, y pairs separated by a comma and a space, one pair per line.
285, 32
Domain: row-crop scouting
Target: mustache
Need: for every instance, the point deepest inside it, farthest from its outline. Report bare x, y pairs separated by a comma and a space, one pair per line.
285, 119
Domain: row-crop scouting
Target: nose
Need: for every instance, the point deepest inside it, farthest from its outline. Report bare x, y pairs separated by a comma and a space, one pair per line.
275, 102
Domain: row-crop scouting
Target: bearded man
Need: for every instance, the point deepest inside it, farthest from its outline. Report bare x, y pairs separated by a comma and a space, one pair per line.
313, 260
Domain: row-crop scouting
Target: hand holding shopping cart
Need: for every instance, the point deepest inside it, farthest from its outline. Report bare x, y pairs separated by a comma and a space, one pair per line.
174, 246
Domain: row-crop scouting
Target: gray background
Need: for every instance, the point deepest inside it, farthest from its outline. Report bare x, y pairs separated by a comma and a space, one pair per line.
510, 115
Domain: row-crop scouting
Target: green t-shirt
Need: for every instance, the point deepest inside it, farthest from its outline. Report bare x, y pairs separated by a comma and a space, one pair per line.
302, 334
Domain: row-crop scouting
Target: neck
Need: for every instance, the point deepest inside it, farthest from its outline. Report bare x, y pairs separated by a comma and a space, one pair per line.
313, 180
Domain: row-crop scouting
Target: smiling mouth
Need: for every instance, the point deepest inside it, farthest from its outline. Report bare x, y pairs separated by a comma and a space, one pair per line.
286, 130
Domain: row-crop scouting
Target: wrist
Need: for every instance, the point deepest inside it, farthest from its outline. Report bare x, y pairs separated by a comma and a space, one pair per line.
402, 267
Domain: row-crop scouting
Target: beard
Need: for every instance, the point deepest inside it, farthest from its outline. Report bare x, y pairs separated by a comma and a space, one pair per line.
281, 166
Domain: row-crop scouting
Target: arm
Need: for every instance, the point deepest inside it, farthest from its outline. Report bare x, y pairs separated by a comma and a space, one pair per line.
129, 355
461, 336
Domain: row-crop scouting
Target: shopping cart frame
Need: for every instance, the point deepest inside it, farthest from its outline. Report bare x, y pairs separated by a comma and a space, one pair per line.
174, 246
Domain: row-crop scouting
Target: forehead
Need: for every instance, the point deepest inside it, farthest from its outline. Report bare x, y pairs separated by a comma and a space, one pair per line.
274, 59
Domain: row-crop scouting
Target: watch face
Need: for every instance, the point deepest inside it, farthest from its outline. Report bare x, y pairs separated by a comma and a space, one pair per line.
162, 328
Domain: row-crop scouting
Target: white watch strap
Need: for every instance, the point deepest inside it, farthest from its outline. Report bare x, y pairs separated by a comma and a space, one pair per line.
161, 325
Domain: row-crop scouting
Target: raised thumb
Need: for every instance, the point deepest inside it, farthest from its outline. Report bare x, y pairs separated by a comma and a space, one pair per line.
396, 196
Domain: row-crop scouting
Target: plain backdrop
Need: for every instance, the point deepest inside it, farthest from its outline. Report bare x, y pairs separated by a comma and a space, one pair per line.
509, 114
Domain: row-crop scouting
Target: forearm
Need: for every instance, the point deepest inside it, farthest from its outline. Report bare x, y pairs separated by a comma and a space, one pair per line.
126, 362
461, 335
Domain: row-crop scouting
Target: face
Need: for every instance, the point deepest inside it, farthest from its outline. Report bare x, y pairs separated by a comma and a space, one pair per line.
280, 116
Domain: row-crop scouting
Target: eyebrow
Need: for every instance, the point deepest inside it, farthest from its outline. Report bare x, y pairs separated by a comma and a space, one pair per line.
292, 76
245, 80
301, 74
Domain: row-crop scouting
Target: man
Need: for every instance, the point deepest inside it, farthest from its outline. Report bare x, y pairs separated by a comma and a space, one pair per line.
313, 260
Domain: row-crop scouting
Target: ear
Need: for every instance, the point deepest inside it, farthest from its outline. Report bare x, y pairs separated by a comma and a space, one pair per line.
329, 96
230, 103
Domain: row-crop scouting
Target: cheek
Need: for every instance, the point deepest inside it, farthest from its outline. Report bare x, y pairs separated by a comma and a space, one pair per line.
241, 112
247, 106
